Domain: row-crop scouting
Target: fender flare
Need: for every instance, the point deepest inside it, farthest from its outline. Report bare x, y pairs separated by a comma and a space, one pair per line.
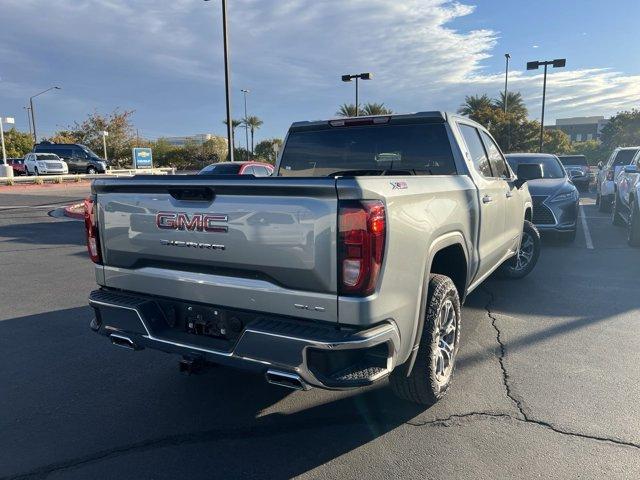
441, 242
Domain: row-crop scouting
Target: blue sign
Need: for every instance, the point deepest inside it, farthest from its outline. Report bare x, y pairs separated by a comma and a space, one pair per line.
142, 158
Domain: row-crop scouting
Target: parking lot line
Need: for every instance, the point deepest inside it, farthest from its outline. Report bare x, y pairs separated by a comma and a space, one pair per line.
585, 227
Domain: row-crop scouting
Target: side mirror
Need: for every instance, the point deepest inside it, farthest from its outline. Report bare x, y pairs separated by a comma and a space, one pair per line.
528, 171
630, 169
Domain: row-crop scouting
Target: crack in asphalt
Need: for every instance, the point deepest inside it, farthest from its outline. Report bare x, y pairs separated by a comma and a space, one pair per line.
524, 416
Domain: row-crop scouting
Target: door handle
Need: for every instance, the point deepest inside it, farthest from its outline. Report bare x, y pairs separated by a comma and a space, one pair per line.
487, 199
508, 194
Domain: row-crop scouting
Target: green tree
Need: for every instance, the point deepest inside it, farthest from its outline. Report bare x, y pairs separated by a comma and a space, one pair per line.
623, 130
376, 109
267, 150
234, 125
473, 104
515, 104
17, 144
591, 149
347, 110
253, 123
555, 141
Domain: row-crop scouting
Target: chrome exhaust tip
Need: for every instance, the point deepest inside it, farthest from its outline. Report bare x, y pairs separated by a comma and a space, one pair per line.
287, 380
122, 341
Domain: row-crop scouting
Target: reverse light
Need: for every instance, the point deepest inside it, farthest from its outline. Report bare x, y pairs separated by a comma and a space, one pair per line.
91, 227
361, 238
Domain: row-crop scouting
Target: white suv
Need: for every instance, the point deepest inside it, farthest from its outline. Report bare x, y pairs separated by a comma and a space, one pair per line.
44, 164
605, 179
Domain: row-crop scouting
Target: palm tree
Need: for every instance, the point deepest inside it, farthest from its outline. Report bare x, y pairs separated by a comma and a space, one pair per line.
376, 109
474, 104
253, 123
234, 124
515, 104
347, 110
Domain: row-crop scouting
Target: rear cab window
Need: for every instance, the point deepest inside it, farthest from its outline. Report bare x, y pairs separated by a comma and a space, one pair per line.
410, 149
624, 157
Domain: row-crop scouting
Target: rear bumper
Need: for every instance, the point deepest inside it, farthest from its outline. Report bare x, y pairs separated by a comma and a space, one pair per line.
320, 354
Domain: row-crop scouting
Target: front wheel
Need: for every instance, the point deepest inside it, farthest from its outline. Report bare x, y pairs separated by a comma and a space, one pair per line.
92, 171
633, 227
520, 265
35, 171
433, 369
615, 212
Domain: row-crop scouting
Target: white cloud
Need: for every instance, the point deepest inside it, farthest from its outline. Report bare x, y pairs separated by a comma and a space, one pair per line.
290, 53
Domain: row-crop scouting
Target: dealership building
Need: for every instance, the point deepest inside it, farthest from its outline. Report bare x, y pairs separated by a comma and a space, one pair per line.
581, 129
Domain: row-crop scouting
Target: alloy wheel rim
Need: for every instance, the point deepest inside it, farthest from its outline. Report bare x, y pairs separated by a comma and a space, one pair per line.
525, 252
445, 342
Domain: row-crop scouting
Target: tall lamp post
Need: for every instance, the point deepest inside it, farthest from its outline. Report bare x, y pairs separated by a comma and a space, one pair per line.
227, 75
357, 76
557, 63
28, 110
105, 134
246, 127
33, 112
5, 170
506, 91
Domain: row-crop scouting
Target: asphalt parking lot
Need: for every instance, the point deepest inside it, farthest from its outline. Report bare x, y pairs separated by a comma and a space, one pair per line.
547, 384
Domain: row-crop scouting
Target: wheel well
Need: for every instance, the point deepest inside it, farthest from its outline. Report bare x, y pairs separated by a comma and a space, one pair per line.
528, 214
451, 261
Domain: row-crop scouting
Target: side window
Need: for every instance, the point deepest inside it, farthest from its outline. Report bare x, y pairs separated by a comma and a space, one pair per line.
498, 165
79, 153
478, 155
261, 171
248, 170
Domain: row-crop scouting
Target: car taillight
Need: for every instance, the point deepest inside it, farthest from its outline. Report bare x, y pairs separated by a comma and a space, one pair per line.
609, 174
91, 227
361, 237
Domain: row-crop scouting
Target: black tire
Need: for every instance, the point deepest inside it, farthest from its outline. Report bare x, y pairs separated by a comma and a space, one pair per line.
521, 265
633, 227
615, 212
429, 379
35, 171
597, 199
92, 170
605, 204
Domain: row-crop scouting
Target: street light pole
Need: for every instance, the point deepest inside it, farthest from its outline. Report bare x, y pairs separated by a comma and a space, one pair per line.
5, 170
33, 112
362, 76
28, 110
557, 63
246, 127
506, 80
104, 143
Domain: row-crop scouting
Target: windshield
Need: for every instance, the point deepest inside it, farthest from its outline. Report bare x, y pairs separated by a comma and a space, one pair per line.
624, 157
47, 156
573, 160
420, 149
91, 153
221, 169
551, 167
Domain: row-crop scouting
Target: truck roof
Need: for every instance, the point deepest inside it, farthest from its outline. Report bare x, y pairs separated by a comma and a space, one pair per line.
434, 116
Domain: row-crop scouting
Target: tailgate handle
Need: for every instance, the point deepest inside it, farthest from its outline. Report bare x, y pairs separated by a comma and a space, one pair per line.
196, 194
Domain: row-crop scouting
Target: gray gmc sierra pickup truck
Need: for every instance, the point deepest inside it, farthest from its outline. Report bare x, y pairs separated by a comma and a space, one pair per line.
347, 266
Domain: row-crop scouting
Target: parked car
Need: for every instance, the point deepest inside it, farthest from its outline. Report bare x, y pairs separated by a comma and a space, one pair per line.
348, 266
79, 158
555, 197
18, 166
578, 170
44, 164
625, 211
258, 169
605, 179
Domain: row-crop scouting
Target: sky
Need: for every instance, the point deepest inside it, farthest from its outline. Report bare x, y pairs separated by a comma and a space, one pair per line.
163, 59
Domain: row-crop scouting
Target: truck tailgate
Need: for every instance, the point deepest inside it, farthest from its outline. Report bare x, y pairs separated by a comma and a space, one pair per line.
274, 230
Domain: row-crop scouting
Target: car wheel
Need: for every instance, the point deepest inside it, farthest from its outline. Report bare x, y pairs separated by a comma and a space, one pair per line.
433, 369
633, 227
35, 171
597, 199
520, 265
92, 171
615, 212
605, 204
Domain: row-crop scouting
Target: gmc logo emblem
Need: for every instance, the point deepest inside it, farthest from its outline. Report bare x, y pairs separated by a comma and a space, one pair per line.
198, 222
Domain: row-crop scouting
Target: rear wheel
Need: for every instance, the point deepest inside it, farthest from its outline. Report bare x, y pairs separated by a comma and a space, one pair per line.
520, 265
92, 170
615, 212
633, 227
435, 361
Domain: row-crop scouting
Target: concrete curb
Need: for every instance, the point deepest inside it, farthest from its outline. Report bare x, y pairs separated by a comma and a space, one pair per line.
68, 211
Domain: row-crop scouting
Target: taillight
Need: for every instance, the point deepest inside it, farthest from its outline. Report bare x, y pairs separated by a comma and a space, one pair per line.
91, 227
609, 174
361, 237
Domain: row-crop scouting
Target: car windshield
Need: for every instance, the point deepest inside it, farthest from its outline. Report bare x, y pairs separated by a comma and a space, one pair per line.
91, 153
551, 167
624, 157
47, 156
573, 160
221, 169
421, 149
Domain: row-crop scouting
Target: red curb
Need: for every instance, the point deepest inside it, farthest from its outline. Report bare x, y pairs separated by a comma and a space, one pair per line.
68, 212
33, 186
